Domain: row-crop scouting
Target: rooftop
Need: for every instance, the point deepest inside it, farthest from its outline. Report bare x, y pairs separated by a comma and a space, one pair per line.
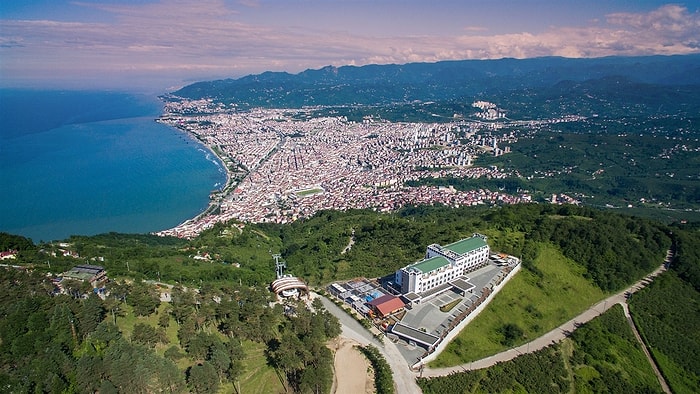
84, 272
412, 334
462, 284
466, 245
386, 304
431, 264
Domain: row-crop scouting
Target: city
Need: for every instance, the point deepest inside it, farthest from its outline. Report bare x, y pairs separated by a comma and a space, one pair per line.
283, 165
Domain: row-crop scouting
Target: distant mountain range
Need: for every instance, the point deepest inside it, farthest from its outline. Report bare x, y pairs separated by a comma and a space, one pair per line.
634, 79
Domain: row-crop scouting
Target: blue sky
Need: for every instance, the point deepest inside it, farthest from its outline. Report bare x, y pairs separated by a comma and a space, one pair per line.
162, 44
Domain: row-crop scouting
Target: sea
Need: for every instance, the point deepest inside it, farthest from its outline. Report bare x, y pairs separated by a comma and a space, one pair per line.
91, 162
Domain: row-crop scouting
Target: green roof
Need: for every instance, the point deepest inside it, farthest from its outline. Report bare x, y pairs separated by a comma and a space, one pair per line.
78, 275
466, 245
430, 264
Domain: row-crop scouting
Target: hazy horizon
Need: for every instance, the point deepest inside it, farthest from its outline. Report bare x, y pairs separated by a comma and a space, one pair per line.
155, 46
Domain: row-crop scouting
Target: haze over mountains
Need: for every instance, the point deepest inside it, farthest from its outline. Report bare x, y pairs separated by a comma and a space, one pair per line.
635, 80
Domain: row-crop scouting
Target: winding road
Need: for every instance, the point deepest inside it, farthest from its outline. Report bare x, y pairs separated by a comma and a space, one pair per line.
405, 378
556, 334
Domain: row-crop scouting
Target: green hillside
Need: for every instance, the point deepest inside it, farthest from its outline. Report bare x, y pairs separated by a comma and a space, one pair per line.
571, 257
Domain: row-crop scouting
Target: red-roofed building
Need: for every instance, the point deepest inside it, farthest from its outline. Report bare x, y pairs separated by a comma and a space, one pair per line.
8, 254
386, 305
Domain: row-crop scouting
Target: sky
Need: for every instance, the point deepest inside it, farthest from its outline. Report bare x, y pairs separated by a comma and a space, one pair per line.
165, 44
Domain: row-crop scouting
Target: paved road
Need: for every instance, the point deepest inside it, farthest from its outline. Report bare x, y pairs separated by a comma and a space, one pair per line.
404, 379
553, 336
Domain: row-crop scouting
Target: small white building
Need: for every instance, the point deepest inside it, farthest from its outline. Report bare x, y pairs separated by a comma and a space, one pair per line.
443, 264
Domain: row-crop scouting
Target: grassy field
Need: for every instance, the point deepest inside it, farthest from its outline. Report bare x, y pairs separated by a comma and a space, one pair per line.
258, 377
610, 345
535, 304
680, 380
601, 356
308, 192
504, 241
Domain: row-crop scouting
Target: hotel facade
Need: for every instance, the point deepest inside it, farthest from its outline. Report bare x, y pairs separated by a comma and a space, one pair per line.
442, 265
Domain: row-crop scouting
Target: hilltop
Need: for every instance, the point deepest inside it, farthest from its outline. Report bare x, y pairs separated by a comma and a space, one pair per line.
597, 251
648, 79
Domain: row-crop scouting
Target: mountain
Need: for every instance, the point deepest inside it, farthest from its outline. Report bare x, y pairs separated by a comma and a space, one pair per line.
446, 80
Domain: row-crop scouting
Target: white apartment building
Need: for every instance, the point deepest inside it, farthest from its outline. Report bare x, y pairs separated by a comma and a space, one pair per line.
442, 265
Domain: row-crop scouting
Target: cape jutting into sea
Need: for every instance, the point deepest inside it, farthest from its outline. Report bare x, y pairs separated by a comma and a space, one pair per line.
84, 163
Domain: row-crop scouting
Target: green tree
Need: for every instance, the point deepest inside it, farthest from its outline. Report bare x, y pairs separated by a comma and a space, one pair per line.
202, 378
185, 333
221, 361
133, 368
105, 333
145, 335
143, 298
92, 372
164, 318
92, 312
511, 333
236, 355
62, 327
199, 345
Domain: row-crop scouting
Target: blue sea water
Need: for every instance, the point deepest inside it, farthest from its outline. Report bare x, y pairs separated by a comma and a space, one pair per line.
84, 163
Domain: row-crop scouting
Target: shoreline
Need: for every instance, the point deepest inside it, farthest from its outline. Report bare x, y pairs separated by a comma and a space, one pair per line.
157, 174
215, 196
271, 155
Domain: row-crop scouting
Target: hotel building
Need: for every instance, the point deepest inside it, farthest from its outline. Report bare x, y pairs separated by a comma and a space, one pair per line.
442, 266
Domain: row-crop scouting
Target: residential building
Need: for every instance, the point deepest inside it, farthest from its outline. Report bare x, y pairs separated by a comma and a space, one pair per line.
94, 274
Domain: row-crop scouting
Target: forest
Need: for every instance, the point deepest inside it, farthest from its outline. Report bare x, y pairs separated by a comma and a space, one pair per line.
202, 341
626, 165
131, 342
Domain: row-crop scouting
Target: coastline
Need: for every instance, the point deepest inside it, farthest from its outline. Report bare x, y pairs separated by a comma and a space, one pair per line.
109, 167
215, 196
272, 158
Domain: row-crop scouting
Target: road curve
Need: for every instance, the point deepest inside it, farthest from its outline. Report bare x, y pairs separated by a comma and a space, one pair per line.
553, 336
404, 378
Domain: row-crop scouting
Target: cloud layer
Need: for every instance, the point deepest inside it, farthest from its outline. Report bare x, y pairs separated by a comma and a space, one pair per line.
183, 39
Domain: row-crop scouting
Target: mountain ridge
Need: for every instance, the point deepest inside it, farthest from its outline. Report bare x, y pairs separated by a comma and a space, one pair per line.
394, 83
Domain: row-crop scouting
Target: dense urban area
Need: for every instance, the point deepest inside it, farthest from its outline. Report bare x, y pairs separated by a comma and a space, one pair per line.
283, 167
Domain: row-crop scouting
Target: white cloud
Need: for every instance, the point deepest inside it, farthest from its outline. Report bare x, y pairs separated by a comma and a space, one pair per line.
199, 39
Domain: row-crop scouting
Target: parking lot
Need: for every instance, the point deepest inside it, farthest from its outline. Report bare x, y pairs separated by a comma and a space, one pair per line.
426, 316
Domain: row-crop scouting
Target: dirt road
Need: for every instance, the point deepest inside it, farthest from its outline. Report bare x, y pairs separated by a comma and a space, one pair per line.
351, 369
